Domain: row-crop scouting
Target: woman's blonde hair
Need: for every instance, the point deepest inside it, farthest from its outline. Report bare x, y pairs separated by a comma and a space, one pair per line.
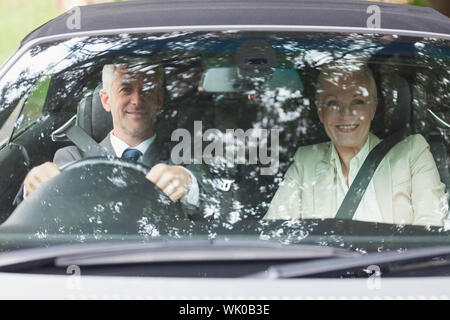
330, 70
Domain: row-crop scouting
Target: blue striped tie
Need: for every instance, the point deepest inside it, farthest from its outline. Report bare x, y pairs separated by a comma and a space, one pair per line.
131, 154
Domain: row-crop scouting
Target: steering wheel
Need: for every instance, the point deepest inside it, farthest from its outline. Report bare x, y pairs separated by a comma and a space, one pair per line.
139, 167
98, 195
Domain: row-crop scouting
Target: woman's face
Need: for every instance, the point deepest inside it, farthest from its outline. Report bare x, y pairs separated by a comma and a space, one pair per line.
346, 108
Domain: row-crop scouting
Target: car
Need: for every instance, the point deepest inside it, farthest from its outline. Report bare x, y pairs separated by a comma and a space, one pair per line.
240, 88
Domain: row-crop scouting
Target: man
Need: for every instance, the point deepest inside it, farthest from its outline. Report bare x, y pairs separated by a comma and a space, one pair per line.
133, 95
406, 187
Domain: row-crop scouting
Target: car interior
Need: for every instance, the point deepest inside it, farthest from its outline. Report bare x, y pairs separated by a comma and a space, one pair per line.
30, 147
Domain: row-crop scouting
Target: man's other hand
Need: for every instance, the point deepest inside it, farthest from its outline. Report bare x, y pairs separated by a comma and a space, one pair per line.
174, 181
39, 175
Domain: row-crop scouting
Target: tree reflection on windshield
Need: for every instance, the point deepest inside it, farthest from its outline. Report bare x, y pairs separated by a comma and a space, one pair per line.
246, 102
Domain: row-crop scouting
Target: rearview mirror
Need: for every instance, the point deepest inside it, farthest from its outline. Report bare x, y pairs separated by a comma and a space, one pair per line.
229, 80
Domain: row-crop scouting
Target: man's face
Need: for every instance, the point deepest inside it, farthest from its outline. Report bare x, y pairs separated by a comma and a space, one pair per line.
134, 100
346, 108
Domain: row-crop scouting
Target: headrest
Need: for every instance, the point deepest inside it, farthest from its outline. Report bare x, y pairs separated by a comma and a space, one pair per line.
400, 114
394, 105
92, 117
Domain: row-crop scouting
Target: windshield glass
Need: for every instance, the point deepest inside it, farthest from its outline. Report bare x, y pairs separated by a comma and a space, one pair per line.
255, 135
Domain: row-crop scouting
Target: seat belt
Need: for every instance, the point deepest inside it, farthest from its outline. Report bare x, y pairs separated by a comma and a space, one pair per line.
71, 131
359, 185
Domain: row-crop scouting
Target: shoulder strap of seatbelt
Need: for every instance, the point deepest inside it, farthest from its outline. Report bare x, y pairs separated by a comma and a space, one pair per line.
80, 138
359, 185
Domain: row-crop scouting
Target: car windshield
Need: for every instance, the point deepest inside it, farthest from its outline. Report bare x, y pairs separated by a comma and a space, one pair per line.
272, 128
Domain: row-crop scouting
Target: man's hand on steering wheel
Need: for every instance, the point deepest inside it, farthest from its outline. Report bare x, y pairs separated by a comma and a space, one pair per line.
172, 180
39, 175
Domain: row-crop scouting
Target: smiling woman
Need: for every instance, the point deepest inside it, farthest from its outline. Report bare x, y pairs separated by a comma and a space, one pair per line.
346, 104
347, 101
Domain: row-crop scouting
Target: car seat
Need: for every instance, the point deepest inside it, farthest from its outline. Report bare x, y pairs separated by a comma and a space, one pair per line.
395, 114
92, 117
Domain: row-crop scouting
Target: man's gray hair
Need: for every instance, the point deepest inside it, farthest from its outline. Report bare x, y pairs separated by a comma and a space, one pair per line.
109, 70
108, 76
330, 69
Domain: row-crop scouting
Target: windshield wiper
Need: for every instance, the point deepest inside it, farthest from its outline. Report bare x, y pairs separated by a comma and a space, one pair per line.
395, 262
102, 254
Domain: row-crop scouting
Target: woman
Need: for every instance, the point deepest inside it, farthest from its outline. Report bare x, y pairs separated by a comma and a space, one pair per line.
405, 189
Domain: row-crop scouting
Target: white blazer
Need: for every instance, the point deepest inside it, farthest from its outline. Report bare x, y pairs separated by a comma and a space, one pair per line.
407, 185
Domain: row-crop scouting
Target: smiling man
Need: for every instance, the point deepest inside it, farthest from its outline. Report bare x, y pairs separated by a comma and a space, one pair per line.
406, 187
133, 94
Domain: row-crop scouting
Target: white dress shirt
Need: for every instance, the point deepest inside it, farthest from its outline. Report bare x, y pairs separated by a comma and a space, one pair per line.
120, 146
368, 209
